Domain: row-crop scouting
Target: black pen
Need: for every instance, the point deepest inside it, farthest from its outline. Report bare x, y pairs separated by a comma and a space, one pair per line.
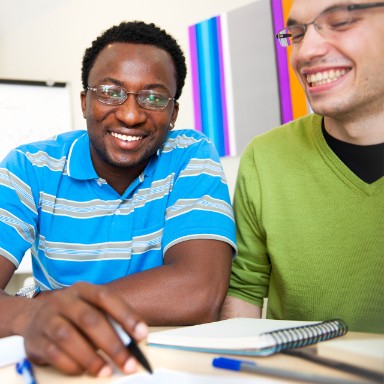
330, 363
131, 345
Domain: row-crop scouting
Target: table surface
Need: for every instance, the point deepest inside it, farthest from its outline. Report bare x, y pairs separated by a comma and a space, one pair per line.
194, 362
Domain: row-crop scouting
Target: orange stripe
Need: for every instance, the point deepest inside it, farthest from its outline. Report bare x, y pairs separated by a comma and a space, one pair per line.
298, 98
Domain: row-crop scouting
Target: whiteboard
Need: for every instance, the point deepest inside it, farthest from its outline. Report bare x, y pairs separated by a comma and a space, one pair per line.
32, 111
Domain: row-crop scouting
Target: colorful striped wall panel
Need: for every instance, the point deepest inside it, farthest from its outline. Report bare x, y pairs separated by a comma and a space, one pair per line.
242, 83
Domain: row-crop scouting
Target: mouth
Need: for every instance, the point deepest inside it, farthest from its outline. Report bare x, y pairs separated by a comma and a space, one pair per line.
325, 77
126, 138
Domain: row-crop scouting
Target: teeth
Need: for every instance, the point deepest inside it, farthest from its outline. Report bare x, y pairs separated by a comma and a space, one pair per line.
126, 137
325, 77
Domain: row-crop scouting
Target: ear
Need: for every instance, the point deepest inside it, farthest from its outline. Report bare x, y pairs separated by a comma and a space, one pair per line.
175, 112
83, 100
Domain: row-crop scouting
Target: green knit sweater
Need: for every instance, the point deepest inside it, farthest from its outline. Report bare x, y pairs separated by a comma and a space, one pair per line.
310, 232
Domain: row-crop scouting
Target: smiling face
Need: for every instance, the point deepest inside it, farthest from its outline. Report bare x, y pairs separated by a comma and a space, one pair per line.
124, 137
342, 73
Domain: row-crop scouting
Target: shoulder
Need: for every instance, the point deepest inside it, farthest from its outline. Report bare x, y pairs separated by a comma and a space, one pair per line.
186, 137
38, 153
187, 151
65, 139
288, 135
60, 143
188, 140
286, 144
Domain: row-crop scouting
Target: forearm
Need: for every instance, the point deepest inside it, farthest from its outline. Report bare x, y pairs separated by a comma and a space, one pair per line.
234, 307
15, 311
164, 297
188, 289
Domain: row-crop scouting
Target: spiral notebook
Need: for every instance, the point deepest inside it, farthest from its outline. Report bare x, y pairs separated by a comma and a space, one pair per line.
249, 337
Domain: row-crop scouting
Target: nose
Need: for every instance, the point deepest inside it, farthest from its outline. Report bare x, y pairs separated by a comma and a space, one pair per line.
130, 111
313, 45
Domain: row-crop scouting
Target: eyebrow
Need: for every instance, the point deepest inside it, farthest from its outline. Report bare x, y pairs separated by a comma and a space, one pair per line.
156, 86
292, 21
112, 80
152, 86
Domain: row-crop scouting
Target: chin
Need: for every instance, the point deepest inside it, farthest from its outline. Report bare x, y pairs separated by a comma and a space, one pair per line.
122, 164
325, 108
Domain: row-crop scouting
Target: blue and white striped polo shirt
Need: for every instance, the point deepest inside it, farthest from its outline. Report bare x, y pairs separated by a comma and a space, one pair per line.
80, 228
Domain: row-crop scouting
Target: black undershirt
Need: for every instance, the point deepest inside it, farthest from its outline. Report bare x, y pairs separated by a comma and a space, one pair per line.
365, 161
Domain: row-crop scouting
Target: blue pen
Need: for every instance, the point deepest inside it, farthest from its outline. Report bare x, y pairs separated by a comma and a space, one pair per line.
251, 366
24, 368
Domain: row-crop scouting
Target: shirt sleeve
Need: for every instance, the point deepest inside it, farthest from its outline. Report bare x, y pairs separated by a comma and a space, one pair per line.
199, 205
18, 211
251, 268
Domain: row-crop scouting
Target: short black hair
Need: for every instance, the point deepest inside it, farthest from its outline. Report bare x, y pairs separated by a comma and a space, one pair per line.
137, 32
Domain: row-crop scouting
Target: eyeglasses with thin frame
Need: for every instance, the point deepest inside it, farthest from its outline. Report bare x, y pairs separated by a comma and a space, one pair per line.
116, 95
335, 19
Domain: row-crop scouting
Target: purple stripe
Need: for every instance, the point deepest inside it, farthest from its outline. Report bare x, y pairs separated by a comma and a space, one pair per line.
282, 64
195, 77
222, 87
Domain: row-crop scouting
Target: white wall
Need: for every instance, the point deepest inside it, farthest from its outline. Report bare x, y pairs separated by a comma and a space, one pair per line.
45, 39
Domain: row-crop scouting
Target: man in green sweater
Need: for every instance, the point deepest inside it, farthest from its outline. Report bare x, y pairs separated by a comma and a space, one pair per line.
309, 200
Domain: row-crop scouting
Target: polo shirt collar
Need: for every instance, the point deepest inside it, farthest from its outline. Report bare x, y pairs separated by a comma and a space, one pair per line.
80, 164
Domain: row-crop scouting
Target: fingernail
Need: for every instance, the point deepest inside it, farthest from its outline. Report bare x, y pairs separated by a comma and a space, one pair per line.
141, 331
130, 365
106, 371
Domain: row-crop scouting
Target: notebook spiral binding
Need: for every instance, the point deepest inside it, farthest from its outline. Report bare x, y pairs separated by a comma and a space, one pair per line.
307, 334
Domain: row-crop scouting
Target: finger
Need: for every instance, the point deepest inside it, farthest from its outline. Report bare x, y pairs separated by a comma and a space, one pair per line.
87, 329
66, 344
106, 300
48, 353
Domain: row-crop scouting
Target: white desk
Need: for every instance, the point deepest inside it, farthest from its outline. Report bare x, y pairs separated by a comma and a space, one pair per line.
196, 363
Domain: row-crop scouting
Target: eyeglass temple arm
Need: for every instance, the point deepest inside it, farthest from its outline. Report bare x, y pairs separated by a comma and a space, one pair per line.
282, 35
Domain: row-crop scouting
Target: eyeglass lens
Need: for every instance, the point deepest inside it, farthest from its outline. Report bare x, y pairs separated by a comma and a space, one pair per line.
116, 95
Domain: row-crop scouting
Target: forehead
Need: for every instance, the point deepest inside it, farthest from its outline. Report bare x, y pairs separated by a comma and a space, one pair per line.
126, 61
307, 10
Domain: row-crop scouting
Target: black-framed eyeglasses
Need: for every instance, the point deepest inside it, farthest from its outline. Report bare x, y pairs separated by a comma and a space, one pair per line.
334, 19
116, 95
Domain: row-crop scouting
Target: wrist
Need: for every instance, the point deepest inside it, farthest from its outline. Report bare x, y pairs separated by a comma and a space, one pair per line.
26, 308
21, 314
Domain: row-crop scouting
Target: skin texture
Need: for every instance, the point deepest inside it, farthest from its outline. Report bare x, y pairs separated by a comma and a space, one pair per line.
149, 67
234, 307
352, 105
65, 328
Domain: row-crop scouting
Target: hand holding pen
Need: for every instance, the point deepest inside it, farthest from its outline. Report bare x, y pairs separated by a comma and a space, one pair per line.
69, 328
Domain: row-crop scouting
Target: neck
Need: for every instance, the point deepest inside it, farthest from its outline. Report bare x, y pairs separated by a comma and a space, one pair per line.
119, 178
359, 130
118, 183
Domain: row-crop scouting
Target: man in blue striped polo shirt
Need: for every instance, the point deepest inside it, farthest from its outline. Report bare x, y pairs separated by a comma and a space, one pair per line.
136, 208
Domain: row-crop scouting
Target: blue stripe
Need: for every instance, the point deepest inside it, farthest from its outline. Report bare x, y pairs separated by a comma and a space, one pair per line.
210, 82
